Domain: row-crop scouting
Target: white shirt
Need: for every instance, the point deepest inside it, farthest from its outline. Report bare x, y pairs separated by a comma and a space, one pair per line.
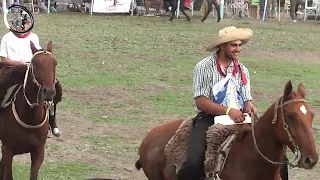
18, 49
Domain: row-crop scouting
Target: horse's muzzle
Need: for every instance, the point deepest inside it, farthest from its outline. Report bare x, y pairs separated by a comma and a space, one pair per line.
48, 94
308, 162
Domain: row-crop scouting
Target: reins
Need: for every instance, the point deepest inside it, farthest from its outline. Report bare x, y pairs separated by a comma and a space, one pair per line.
279, 105
47, 104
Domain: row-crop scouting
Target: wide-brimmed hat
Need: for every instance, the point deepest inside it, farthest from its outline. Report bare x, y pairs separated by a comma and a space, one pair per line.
229, 34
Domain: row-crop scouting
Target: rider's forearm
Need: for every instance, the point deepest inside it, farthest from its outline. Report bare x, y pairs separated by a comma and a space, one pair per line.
10, 62
210, 107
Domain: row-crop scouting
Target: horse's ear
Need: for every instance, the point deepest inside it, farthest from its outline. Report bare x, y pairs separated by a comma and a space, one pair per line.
33, 47
288, 89
49, 47
301, 90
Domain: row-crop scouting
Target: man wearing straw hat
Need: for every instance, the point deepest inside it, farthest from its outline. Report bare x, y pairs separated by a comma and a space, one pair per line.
221, 86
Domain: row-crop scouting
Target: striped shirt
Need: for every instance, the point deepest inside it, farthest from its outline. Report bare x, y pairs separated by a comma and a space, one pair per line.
206, 75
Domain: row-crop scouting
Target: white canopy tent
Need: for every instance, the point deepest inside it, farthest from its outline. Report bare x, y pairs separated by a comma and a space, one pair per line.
114, 6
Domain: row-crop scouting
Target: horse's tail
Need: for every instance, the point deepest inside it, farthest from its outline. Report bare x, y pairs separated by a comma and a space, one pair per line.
138, 164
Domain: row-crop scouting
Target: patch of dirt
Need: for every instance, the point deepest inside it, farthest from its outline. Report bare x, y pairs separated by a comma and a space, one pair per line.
103, 96
114, 100
264, 96
121, 100
71, 146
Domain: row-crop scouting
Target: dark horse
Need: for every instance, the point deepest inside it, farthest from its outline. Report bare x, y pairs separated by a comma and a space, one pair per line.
24, 120
182, 8
286, 123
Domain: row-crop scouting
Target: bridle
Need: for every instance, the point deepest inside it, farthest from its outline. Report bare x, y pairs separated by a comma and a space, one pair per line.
280, 105
48, 105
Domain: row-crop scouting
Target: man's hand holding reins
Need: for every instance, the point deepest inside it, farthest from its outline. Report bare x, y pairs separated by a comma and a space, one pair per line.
249, 108
236, 115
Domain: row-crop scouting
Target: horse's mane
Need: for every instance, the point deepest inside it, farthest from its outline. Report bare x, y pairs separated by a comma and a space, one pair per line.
12, 75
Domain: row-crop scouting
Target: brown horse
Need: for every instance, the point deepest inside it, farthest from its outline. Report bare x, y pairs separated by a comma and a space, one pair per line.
286, 123
24, 120
182, 8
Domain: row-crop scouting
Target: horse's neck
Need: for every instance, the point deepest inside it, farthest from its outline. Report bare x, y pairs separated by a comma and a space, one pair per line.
268, 144
265, 133
244, 158
30, 115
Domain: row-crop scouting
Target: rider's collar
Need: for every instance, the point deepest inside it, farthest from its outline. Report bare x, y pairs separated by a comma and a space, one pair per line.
22, 35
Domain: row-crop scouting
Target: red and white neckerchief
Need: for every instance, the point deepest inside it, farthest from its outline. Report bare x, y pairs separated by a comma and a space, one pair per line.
235, 70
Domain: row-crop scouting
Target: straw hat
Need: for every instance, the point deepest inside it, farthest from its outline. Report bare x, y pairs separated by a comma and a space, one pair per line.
229, 34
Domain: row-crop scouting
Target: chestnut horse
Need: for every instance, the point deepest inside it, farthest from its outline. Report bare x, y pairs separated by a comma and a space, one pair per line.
286, 123
24, 121
182, 8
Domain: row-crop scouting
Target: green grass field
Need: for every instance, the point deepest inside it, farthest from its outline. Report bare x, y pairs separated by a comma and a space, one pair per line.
123, 75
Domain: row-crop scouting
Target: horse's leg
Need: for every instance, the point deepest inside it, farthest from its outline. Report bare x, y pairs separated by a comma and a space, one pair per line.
159, 6
52, 117
153, 174
6, 164
208, 10
284, 170
36, 162
169, 172
296, 9
52, 121
184, 13
292, 9
1, 170
182, 7
216, 5
173, 9
147, 6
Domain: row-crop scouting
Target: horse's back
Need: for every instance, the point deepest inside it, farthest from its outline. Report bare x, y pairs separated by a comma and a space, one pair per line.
151, 149
159, 136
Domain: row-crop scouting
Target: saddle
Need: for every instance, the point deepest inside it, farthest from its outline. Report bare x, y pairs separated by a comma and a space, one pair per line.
219, 141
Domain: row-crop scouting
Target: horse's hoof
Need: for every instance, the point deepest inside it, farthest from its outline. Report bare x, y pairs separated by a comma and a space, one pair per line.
56, 132
294, 21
